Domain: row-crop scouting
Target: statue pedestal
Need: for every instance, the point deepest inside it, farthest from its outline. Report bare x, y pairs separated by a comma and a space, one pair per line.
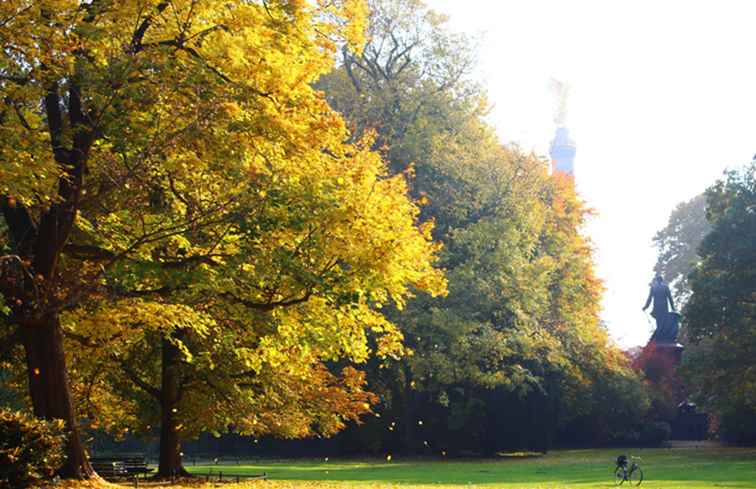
666, 351
659, 361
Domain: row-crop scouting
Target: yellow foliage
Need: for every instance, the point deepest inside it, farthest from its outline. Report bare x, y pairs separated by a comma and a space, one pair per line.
219, 207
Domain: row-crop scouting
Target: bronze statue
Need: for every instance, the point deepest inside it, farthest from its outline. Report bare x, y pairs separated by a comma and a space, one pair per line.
667, 323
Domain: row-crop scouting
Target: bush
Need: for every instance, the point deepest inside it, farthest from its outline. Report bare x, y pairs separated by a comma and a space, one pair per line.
655, 433
31, 449
737, 424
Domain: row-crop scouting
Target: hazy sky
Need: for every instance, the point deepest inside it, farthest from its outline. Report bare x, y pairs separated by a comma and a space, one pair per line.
664, 100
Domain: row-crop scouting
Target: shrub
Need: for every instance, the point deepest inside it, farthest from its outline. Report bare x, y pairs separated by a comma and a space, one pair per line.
31, 449
655, 433
737, 424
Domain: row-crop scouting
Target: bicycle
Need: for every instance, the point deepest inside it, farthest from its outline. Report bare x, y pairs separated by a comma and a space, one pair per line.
632, 474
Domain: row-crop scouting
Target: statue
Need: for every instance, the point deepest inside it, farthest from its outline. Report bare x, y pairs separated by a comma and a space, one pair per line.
667, 323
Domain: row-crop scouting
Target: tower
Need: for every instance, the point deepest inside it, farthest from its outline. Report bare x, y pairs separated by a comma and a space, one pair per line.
563, 148
562, 152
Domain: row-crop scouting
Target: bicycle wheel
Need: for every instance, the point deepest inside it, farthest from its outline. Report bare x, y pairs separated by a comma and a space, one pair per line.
619, 476
635, 477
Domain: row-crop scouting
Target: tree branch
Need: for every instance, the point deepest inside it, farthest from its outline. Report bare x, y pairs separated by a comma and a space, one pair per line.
20, 225
267, 306
87, 252
348, 61
85, 341
191, 260
138, 381
55, 123
18, 80
138, 36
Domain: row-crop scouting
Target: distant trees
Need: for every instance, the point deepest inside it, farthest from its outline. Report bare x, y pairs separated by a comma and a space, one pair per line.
707, 251
720, 362
518, 336
678, 242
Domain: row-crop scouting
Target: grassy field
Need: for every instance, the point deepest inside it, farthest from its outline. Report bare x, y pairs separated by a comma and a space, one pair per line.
688, 468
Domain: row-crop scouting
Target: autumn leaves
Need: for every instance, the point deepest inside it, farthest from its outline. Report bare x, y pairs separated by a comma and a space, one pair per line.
227, 242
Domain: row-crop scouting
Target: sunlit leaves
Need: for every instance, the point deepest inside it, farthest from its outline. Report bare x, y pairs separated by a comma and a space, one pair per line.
522, 313
221, 213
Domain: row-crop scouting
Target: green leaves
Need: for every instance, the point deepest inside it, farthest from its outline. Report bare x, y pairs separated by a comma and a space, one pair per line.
720, 314
522, 313
678, 244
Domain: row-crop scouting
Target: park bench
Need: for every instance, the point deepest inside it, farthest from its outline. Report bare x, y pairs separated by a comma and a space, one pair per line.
136, 466
118, 467
109, 468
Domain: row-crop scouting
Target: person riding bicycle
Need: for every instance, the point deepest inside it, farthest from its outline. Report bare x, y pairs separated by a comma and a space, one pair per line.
622, 461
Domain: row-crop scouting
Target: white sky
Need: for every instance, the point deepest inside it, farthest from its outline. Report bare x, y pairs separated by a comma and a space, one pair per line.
664, 100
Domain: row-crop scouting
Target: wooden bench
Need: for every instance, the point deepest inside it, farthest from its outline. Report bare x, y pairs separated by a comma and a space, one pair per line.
136, 466
119, 467
109, 468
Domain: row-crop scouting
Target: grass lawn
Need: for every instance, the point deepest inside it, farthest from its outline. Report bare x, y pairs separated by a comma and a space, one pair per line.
688, 468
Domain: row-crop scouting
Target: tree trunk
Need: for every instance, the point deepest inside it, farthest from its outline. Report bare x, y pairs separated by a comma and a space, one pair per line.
408, 427
170, 443
49, 390
39, 243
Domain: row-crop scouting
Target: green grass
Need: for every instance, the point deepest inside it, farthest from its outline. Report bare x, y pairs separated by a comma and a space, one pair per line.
688, 468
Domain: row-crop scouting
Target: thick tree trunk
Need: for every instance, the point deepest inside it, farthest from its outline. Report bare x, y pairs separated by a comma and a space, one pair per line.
170, 443
40, 242
49, 390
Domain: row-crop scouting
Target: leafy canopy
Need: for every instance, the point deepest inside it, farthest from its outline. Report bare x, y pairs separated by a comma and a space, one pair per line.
720, 360
204, 195
520, 326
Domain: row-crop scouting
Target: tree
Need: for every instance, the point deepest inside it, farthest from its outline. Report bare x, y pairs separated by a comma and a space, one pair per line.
678, 243
519, 331
170, 160
219, 361
719, 363
409, 60
189, 383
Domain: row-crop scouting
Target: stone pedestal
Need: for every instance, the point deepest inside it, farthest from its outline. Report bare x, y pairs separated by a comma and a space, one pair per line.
659, 361
670, 352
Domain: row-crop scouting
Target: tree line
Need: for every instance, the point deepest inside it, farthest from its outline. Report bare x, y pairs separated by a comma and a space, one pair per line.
282, 218
708, 251
515, 355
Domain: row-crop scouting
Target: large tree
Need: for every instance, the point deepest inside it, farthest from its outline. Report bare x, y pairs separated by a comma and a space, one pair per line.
720, 315
393, 84
519, 331
174, 153
297, 284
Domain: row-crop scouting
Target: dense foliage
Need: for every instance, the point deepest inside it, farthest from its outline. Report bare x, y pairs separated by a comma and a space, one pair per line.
287, 217
515, 355
720, 363
181, 206
31, 449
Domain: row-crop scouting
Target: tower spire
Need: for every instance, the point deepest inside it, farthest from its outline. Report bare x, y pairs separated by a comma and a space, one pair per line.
563, 148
